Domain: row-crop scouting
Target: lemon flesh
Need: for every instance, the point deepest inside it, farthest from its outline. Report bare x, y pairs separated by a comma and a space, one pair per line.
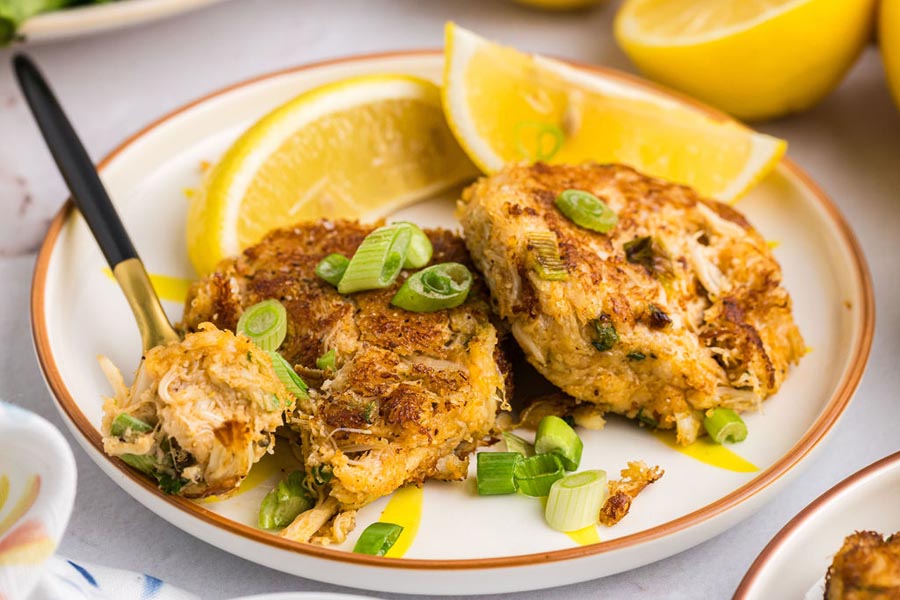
358, 148
505, 106
756, 59
889, 38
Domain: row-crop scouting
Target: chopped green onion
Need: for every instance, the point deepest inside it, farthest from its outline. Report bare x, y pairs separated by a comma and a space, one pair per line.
282, 505
332, 267
142, 462
170, 484
420, 249
587, 210
495, 472
542, 133
647, 420
605, 335
536, 474
441, 286
322, 474
370, 412
542, 256
575, 500
265, 323
125, 422
725, 425
636, 356
378, 538
285, 372
326, 361
378, 260
516, 444
556, 436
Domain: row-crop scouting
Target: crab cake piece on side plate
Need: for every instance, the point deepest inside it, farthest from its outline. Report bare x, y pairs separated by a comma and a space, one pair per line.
676, 310
410, 395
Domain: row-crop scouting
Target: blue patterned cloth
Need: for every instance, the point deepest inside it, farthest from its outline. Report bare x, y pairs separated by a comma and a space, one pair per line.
66, 579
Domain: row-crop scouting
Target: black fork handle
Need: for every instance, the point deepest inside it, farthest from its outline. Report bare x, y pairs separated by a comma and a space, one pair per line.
74, 163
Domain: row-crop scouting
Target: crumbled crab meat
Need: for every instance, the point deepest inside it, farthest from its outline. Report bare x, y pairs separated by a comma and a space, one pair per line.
309, 522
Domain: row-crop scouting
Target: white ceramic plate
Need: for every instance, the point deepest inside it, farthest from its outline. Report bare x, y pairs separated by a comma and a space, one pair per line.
85, 20
795, 561
465, 544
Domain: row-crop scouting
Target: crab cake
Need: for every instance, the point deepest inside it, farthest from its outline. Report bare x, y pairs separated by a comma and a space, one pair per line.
677, 310
410, 395
867, 567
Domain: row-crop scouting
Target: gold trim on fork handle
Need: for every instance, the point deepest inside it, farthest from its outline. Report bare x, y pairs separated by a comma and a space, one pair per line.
151, 319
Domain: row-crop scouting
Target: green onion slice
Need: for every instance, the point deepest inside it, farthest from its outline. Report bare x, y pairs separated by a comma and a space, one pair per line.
322, 474
378, 538
516, 444
495, 472
282, 505
725, 425
326, 362
285, 372
420, 249
332, 267
542, 256
125, 422
440, 286
536, 474
265, 323
587, 210
142, 462
575, 501
556, 436
378, 260
538, 141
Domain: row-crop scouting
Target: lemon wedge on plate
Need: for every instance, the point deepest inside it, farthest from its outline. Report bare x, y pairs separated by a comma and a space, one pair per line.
505, 106
755, 59
889, 38
358, 148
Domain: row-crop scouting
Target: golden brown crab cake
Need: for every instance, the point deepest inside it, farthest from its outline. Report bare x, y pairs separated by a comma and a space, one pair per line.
677, 310
867, 567
411, 395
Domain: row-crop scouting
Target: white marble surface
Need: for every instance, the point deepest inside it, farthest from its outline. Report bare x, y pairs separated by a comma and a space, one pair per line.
113, 84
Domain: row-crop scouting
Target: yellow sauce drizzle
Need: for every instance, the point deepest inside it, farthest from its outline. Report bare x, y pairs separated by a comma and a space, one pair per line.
585, 537
708, 452
404, 509
170, 288
4, 490
280, 463
773, 244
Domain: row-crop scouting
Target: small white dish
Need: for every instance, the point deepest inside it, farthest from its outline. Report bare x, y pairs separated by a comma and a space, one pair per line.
794, 563
37, 490
86, 20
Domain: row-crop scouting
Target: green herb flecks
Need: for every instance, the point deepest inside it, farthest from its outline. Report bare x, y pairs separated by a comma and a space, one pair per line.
605, 335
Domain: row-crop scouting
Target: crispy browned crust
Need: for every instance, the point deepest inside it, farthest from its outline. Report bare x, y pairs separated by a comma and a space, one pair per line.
867, 567
410, 389
702, 318
622, 492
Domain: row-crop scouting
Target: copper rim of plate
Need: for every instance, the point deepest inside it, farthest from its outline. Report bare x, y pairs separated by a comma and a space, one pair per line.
871, 472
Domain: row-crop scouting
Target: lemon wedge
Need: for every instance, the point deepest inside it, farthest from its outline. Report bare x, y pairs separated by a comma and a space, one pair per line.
889, 38
756, 59
505, 106
358, 148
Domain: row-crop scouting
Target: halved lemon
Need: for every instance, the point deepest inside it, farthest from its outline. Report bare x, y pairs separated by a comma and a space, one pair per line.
505, 106
756, 59
357, 148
